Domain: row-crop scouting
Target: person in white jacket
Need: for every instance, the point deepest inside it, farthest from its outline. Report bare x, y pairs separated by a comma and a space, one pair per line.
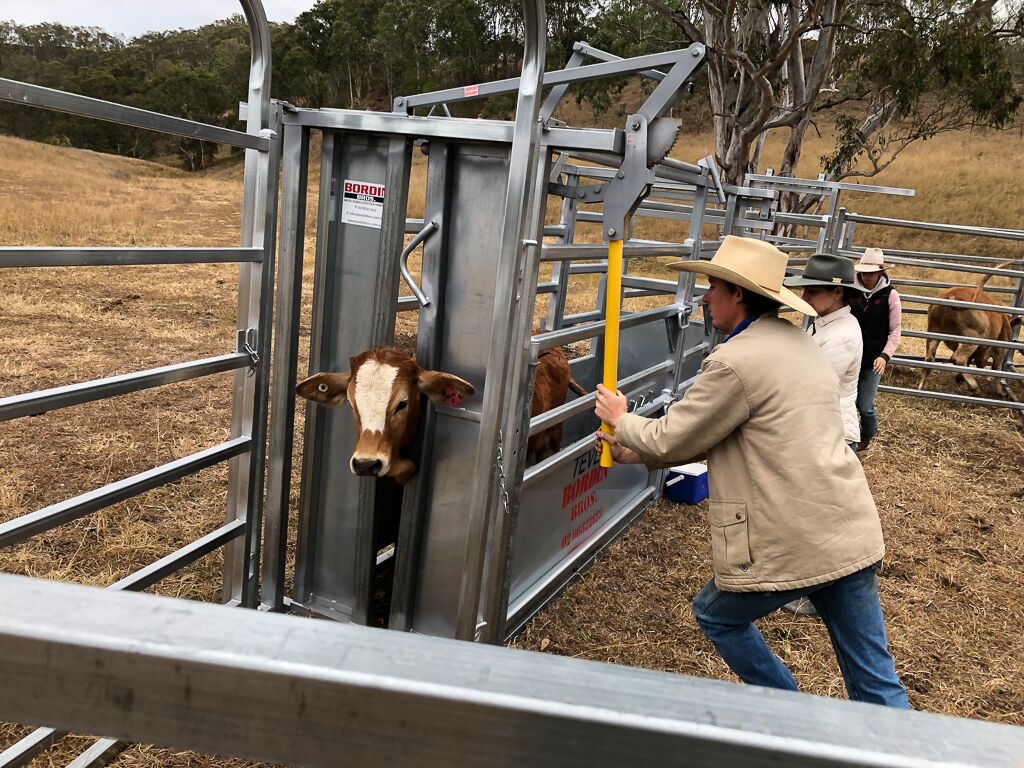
829, 285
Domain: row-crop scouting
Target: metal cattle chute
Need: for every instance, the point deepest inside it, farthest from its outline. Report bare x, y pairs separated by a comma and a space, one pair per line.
484, 540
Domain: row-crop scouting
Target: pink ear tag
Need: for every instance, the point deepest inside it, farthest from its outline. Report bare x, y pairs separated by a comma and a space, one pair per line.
451, 397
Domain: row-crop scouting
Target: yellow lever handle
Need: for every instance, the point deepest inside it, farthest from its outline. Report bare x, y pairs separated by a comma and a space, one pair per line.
612, 305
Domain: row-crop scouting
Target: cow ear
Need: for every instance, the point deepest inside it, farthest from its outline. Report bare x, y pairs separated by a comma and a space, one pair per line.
329, 388
444, 388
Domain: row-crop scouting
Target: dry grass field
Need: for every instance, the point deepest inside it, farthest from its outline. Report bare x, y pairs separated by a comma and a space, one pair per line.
947, 478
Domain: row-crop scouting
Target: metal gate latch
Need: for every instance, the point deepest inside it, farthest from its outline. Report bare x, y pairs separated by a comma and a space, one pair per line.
247, 342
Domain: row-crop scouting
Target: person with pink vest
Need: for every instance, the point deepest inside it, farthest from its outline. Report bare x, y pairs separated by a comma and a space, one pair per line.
881, 324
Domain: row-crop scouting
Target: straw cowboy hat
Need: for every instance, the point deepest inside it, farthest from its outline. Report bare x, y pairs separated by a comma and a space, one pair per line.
872, 260
756, 265
827, 270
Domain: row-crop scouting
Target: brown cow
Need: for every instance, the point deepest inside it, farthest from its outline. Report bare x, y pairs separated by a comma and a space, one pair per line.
551, 381
977, 323
384, 394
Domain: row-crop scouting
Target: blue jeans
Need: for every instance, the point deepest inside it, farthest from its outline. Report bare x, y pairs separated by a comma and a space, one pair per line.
867, 388
852, 614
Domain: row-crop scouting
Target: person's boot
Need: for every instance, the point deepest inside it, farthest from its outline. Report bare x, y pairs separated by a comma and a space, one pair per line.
801, 607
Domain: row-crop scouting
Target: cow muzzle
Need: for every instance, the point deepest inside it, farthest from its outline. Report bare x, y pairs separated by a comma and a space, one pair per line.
368, 467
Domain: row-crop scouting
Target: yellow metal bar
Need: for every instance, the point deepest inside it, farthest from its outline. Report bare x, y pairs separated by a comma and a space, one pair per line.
612, 305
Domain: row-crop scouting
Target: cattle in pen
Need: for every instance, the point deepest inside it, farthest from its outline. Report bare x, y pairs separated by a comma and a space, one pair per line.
980, 324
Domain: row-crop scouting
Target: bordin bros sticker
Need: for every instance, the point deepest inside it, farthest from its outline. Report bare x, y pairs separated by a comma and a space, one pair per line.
362, 203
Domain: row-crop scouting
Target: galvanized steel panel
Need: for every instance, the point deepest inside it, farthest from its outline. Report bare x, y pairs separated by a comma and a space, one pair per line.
477, 178
357, 291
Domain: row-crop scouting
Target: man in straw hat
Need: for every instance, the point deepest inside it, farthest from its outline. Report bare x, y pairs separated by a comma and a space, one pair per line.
790, 511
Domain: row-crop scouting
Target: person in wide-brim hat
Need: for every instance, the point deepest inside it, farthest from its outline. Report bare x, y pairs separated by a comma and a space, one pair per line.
756, 265
829, 285
764, 410
826, 270
872, 260
881, 324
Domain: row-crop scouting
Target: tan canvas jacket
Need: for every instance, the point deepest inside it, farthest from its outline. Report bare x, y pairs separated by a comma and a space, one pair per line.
790, 506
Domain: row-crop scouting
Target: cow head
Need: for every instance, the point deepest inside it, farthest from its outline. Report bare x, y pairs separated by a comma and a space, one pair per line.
383, 386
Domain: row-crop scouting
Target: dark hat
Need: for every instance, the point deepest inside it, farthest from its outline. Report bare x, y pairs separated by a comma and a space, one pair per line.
827, 270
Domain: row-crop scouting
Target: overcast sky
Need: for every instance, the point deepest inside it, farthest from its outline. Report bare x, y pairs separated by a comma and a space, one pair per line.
135, 17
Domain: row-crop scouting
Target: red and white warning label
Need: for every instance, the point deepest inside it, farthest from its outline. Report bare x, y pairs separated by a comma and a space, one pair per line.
362, 203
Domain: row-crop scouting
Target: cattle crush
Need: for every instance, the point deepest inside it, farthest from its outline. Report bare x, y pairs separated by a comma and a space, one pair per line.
484, 539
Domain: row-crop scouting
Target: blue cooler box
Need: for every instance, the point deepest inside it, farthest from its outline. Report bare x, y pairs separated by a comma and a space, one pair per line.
687, 483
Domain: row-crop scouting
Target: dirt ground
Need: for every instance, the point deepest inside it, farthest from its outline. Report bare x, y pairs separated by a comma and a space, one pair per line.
947, 478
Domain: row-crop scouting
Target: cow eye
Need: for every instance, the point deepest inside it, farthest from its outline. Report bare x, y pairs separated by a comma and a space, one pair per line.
402, 405
321, 387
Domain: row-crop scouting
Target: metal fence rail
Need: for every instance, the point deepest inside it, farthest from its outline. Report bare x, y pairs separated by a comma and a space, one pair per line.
83, 106
29, 256
34, 403
288, 690
957, 264
21, 528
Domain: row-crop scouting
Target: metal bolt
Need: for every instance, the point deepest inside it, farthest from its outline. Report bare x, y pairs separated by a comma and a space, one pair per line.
400, 101
695, 51
611, 231
620, 175
636, 125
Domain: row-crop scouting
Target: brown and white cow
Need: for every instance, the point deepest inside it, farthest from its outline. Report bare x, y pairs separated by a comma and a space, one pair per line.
383, 385
981, 324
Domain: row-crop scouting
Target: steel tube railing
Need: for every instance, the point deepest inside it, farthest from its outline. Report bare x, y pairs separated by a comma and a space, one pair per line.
650, 283
1018, 345
989, 288
586, 402
181, 558
29, 525
809, 185
83, 106
961, 304
907, 362
931, 226
75, 655
20, 753
585, 72
28, 256
564, 336
947, 397
929, 256
101, 753
630, 250
34, 403
940, 265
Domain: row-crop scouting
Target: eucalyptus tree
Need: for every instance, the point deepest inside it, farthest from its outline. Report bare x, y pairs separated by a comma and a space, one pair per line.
891, 72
